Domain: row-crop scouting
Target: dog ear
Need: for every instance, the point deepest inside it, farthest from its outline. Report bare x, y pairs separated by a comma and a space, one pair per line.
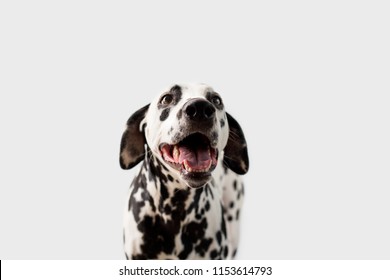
236, 152
133, 141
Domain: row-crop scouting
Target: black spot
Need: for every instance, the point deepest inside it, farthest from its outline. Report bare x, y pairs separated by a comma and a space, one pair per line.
164, 192
146, 222
231, 205
164, 114
225, 251
179, 114
195, 203
235, 184
178, 200
196, 230
219, 237
191, 234
165, 168
176, 91
208, 191
234, 253
222, 121
238, 214
213, 254
147, 197
139, 184
214, 136
207, 206
155, 171
167, 209
229, 218
186, 251
158, 236
223, 226
203, 246
170, 178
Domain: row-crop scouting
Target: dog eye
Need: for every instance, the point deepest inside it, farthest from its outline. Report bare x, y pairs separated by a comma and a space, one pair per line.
166, 99
216, 100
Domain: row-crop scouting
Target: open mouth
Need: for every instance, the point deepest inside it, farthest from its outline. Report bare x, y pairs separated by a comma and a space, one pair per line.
193, 156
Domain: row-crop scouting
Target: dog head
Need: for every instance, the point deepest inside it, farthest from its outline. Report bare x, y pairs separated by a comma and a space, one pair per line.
187, 129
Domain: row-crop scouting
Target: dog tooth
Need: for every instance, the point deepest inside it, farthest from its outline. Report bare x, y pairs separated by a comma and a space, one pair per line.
176, 153
187, 167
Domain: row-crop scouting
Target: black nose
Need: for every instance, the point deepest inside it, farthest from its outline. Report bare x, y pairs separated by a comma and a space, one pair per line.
199, 110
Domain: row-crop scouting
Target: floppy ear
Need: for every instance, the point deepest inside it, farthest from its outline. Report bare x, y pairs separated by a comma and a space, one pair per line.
236, 152
133, 140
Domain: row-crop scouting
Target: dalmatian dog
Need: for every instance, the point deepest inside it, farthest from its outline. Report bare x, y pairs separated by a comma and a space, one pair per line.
184, 203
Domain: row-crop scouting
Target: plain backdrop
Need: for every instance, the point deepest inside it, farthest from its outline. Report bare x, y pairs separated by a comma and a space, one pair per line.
309, 81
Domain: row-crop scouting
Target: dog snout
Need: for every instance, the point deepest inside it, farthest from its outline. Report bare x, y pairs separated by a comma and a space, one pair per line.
199, 110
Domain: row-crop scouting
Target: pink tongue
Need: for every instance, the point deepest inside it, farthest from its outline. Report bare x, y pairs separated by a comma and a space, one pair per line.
196, 159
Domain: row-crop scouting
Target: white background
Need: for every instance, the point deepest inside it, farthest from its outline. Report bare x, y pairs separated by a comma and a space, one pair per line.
307, 80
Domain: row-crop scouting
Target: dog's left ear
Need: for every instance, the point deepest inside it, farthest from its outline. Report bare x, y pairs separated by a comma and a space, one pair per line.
236, 151
133, 140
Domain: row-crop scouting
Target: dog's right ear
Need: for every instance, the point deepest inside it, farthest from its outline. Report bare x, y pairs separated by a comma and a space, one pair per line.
133, 140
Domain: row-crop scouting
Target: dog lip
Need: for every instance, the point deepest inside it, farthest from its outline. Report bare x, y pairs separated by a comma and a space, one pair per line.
213, 143
196, 180
185, 134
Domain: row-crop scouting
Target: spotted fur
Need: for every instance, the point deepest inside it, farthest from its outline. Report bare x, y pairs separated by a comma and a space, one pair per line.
173, 212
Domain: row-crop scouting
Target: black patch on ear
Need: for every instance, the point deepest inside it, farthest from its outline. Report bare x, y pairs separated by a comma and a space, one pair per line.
132, 148
236, 152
